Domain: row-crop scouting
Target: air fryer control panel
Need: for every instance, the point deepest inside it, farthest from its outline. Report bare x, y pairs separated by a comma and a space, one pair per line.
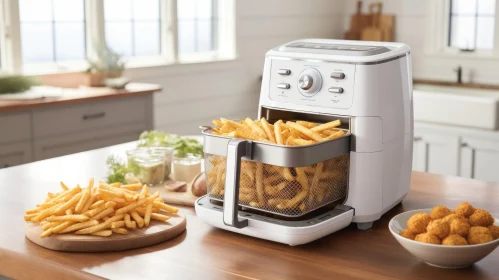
309, 83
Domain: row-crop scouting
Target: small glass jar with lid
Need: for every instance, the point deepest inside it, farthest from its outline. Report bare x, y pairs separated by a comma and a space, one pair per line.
147, 166
186, 167
167, 153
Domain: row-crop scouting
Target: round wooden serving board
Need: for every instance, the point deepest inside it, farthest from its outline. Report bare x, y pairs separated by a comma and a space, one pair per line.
155, 233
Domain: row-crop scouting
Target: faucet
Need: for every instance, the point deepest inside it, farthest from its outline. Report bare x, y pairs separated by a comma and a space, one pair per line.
459, 71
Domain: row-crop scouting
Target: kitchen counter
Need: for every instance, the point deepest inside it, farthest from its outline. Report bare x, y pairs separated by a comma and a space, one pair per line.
204, 252
80, 95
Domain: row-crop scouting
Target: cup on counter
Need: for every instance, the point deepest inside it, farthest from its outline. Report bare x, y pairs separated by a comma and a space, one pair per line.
147, 165
185, 168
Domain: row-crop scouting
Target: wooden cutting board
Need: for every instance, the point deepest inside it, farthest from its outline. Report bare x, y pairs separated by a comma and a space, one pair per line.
155, 233
373, 32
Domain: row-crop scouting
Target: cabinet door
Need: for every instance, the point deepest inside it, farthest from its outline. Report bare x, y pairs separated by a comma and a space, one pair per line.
15, 154
480, 159
436, 153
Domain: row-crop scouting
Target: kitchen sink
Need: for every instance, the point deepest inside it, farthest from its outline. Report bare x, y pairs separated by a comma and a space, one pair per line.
459, 106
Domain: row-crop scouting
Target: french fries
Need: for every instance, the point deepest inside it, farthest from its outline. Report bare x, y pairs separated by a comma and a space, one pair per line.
99, 210
297, 133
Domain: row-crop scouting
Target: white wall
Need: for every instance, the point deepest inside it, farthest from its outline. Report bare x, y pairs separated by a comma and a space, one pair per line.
195, 94
412, 27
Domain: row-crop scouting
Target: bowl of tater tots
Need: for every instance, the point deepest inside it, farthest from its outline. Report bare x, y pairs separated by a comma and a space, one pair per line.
448, 238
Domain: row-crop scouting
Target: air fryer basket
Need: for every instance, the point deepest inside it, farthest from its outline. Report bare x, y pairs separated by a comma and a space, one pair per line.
290, 192
289, 181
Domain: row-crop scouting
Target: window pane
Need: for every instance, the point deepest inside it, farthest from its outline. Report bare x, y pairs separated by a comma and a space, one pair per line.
147, 38
186, 36
462, 32
35, 10
204, 35
68, 10
186, 9
464, 7
486, 7
117, 10
203, 9
69, 41
485, 33
146, 10
119, 37
36, 40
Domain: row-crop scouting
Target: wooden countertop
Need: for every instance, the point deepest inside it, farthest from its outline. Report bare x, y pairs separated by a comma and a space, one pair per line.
204, 252
80, 95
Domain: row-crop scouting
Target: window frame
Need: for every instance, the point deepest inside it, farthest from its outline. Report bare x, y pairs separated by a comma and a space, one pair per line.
95, 32
438, 32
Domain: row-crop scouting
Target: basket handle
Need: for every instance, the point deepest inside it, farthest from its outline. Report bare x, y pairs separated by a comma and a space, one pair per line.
236, 149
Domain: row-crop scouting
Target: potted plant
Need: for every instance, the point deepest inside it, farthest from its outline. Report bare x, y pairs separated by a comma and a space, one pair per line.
105, 65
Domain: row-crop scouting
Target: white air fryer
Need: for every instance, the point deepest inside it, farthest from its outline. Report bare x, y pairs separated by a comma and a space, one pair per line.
368, 86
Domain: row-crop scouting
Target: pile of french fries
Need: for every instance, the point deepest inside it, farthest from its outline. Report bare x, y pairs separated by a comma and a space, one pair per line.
282, 133
99, 210
281, 189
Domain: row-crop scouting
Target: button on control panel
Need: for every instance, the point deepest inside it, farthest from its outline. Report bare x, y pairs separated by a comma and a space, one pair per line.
283, 86
284, 72
335, 90
338, 75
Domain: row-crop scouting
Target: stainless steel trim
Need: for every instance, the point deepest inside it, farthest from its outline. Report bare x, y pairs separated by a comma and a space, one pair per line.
338, 210
284, 156
342, 62
236, 149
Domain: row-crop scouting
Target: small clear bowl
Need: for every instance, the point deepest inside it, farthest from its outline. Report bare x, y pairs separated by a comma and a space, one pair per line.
167, 153
185, 168
147, 166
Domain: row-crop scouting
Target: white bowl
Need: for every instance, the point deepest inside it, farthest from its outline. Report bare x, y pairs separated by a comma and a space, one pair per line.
440, 255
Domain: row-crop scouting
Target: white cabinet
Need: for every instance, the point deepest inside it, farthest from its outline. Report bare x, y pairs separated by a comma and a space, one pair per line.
456, 151
480, 159
436, 152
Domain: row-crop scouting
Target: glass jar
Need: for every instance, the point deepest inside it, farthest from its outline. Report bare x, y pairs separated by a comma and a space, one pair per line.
147, 166
185, 168
167, 153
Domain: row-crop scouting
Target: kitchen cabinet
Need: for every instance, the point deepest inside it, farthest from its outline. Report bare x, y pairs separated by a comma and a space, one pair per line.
435, 152
457, 151
15, 154
479, 159
50, 131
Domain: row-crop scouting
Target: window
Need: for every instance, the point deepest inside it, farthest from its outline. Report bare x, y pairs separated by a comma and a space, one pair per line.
59, 35
471, 24
52, 30
133, 26
197, 22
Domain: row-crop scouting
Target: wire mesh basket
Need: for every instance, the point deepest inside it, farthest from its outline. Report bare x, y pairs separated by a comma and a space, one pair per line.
285, 191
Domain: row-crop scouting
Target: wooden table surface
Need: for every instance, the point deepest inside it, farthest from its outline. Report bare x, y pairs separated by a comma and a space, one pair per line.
74, 96
204, 252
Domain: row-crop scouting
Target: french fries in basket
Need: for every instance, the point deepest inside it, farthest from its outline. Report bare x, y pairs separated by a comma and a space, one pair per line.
101, 210
288, 133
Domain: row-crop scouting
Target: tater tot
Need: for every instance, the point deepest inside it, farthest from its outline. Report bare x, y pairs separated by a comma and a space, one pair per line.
494, 230
454, 240
451, 217
418, 223
439, 212
479, 235
428, 238
465, 209
481, 218
439, 228
408, 234
459, 227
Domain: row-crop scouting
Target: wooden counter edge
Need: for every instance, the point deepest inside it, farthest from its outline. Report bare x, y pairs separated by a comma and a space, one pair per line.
24, 105
454, 84
19, 266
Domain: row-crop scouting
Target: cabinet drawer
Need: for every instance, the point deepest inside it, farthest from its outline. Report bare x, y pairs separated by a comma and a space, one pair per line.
15, 127
89, 116
15, 154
